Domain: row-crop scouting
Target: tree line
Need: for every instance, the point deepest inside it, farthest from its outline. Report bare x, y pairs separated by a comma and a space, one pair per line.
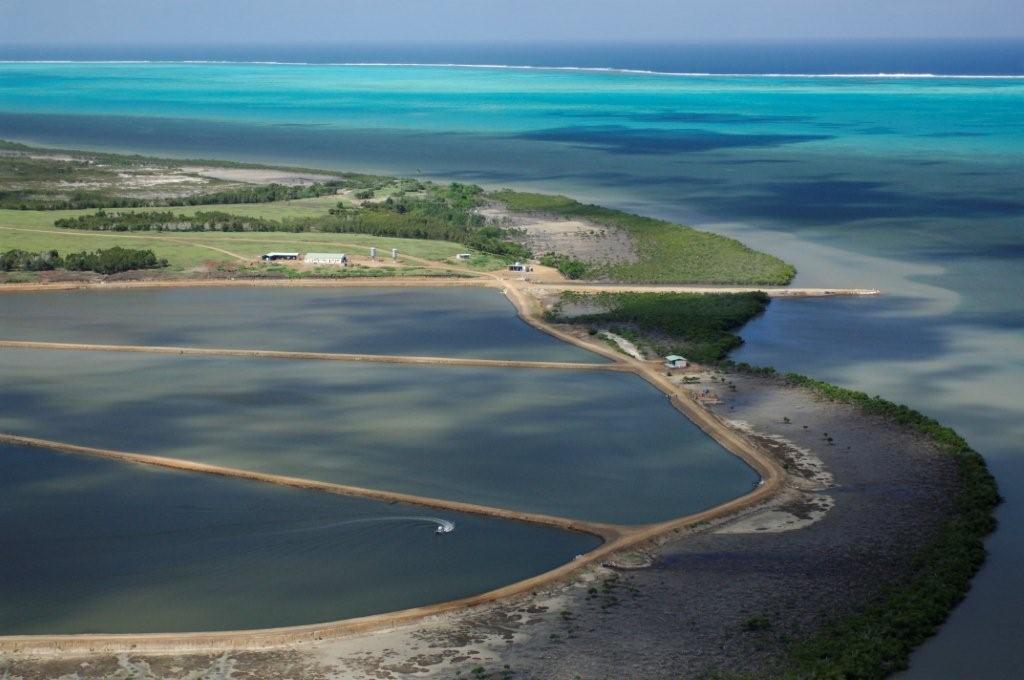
25, 199
102, 261
444, 213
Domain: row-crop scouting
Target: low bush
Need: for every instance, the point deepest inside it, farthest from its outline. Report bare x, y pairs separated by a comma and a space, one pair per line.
877, 641
113, 260
103, 261
24, 199
666, 252
693, 325
567, 266
23, 260
445, 214
167, 221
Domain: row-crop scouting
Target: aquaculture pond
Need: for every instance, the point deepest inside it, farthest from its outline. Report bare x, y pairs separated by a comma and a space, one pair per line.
596, 445
92, 545
459, 322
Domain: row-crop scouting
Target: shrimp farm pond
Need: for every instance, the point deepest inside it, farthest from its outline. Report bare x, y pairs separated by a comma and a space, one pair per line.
107, 546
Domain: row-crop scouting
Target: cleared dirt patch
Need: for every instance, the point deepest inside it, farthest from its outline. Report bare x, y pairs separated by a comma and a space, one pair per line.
579, 239
259, 175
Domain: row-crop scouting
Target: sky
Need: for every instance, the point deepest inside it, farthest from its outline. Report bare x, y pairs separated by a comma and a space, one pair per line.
241, 22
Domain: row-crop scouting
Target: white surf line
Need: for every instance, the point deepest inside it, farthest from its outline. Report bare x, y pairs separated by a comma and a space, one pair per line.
523, 67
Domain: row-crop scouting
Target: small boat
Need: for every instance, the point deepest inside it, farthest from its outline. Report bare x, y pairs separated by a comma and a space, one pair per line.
445, 528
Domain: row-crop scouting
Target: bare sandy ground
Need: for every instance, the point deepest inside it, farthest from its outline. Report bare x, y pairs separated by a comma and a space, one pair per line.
623, 344
582, 240
258, 175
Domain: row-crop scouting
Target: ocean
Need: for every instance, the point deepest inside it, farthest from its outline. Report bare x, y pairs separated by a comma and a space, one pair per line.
913, 184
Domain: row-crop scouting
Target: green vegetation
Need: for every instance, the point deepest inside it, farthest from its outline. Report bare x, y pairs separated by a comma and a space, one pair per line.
104, 261
168, 221
268, 193
693, 325
667, 252
32, 172
878, 640
24, 261
567, 266
444, 213
48, 179
187, 251
133, 192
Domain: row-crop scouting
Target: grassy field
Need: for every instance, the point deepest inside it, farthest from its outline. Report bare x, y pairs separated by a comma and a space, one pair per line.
34, 231
667, 252
186, 251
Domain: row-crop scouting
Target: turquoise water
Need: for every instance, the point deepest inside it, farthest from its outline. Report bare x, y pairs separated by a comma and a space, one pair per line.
599, 446
457, 322
95, 546
622, 112
912, 185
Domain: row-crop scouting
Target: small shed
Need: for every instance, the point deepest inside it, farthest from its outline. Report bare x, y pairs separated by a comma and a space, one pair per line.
520, 267
463, 256
270, 257
675, 361
340, 259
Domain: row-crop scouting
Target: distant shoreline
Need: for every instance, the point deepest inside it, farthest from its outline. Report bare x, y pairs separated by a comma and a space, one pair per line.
526, 67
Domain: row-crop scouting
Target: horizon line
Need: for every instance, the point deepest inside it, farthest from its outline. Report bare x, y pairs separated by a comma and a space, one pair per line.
595, 69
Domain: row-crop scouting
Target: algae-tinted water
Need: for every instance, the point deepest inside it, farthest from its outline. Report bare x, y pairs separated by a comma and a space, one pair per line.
461, 322
92, 545
601, 446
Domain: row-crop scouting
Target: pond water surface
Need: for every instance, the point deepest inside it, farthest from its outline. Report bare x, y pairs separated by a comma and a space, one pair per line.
92, 545
458, 322
601, 446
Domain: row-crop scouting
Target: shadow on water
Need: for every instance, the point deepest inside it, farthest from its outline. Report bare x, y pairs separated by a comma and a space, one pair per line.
539, 441
466, 322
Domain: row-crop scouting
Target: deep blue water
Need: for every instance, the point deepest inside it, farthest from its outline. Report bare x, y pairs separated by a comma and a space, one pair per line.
912, 185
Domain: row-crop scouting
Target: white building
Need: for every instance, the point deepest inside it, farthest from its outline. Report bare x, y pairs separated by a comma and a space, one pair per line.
340, 259
270, 257
675, 361
463, 256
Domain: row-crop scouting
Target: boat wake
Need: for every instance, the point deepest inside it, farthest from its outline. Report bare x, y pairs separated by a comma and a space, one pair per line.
443, 526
